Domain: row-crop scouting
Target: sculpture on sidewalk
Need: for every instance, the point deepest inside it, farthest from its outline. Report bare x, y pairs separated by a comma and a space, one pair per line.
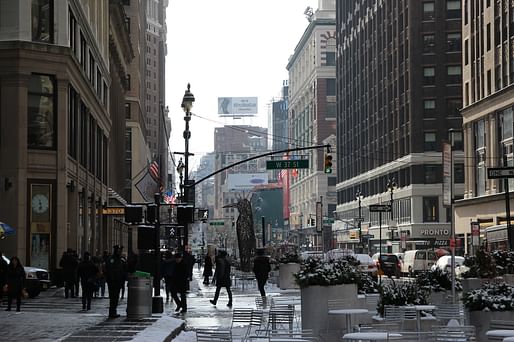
245, 233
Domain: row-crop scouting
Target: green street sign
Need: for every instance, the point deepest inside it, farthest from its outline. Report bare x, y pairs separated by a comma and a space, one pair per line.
287, 164
328, 220
216, 223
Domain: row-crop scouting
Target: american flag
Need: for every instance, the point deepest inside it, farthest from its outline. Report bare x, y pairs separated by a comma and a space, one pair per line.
169, 197
154, 170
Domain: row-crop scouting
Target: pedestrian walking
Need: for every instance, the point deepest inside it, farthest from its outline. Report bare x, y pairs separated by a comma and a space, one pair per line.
115, 275
3, 275
179, 281
15, 282
168, 264
100, 277
222, 278
261, 269
87, 272
190, 260
207, 269
69, 265
124, 260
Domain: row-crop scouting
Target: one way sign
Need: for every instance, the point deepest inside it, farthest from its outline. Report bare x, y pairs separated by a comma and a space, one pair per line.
380, 208
500, 172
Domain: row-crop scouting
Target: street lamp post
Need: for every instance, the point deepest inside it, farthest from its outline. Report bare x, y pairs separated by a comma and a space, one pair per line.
358, 196
391, 186
187, 104
180, 170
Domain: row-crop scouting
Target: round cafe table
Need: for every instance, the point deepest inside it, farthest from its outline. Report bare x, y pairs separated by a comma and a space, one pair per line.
366, 336
348, 313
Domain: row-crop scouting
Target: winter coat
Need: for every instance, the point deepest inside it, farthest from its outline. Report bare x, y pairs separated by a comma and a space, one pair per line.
261, 267
87, 273
207, 268
223, 272
3, 271
167, 267
179, 277
190, 262
69, 265
115, 271
15, 280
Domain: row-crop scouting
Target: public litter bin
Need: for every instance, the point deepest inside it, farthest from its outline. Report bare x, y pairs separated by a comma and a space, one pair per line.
139, 300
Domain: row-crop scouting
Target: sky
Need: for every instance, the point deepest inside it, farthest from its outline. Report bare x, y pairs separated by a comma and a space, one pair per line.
227, 48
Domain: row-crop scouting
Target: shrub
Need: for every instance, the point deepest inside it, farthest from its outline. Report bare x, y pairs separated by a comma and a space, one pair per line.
491, 297
482, 265
318, 272
436, 280
289, 258
401, 293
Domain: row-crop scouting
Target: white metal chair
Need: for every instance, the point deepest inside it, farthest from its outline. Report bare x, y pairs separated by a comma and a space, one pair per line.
446, 312
463, 333
247, 319
213, 335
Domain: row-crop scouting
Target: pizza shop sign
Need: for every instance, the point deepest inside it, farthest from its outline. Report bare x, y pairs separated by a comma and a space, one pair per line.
435, 231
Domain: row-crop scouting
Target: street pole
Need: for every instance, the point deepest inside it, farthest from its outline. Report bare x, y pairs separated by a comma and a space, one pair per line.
187, 104
391, 184
380, 244
510, 235
263, 232
359, 220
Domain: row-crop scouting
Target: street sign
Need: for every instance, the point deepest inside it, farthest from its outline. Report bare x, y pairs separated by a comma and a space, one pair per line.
287, 164
216, 223
380, 208
359, 219
328, 220
367, 236
500, 172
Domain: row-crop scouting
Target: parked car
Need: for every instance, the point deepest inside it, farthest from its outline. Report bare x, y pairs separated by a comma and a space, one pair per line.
366, 264
311, 254
36, 279
338, 253
444, 263
390, 265
418, 260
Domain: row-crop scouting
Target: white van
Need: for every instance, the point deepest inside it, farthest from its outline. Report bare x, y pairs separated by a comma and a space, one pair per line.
418, 260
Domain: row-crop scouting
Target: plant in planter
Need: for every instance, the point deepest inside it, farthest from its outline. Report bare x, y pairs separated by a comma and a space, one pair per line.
405, 293
482, 265
436, 280
491, 297
289, 258
504, 261
325, 273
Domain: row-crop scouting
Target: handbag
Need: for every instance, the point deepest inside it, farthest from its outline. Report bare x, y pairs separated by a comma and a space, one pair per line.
24, 293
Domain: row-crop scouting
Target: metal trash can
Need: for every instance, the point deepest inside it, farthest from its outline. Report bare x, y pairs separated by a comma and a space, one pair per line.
139, 299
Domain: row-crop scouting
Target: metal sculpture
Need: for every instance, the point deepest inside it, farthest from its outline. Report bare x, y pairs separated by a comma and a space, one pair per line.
245, 233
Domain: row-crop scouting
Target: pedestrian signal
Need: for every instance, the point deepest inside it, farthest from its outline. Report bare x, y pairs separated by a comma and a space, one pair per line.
328, 163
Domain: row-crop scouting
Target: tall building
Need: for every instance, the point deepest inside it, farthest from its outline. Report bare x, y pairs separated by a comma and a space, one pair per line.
57, 74
155, 110
279, 128
488, 75
312, 118
399, 92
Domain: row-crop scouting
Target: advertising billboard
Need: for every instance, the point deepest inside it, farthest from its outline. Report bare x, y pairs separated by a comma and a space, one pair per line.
246, 181
237, 106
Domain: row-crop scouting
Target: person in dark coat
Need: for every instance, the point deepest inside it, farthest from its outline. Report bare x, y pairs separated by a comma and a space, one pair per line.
15, 282
222, 278
261, 269
179, 281
87, 272
69, 265
168, 264
115, 275
207, 269
190, 261
3, 275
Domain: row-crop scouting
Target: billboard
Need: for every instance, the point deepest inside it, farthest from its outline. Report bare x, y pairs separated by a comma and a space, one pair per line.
237, 106
245, 181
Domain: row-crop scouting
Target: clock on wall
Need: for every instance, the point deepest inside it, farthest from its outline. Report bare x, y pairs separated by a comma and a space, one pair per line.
40, 203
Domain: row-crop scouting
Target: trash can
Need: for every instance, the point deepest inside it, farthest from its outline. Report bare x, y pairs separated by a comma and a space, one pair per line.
139, 300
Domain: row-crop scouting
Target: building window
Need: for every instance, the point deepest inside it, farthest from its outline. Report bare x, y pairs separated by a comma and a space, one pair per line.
331, 87
429, 75
430, 141
41, 121
458, 173
428, 11
429, 105
330, 54
480, 157
331, 110
466, 52
42, 21
453, 41
72, 32
432, 174
430, 209
488, 36
73, 112
453, 9
454, 74
428, 43
453, 106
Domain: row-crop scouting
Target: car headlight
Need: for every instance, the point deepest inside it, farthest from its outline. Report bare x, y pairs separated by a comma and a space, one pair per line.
31, 275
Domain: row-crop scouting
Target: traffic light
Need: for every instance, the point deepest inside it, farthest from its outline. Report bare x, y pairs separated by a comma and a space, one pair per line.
328, 163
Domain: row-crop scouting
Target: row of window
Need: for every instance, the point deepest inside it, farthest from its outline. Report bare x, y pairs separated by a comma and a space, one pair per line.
453, 74
453, 10
453, 42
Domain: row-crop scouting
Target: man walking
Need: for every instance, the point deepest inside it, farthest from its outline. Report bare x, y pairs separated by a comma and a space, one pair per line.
222, 278
87, 273
115, 275
179, 281
69, 266
261, 269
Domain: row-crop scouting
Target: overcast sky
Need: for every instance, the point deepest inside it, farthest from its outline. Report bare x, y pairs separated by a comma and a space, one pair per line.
227, 48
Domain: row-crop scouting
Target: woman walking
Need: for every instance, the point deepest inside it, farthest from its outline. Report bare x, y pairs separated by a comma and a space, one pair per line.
15, 282
207, 269
222, 278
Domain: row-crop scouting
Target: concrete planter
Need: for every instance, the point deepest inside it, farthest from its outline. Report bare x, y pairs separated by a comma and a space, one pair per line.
469, 284
481, 320
509, 279
315, 308
440, 297
286, 278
